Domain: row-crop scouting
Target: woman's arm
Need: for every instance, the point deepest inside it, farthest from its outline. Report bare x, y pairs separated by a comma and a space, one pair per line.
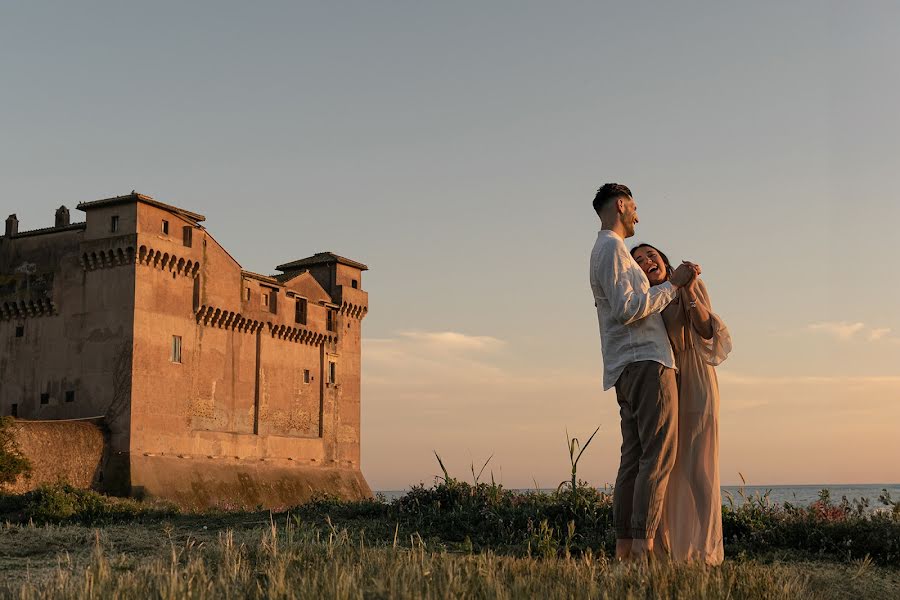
698, 312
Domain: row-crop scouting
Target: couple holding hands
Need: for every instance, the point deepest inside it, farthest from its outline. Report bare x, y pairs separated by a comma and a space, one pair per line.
660, 342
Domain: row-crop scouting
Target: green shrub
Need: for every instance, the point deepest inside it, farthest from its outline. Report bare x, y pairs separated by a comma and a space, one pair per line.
63, 503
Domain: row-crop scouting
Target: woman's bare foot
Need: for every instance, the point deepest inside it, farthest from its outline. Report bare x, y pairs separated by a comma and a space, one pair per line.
623, 550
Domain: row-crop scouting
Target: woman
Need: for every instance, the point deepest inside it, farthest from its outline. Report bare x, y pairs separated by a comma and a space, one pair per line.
692, 518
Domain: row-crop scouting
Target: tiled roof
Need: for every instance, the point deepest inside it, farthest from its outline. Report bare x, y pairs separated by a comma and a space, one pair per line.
136, 197
321, 258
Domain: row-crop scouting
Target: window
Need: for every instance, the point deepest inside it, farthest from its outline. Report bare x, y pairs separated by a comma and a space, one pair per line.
188, 236
300, 311
20, 331
114, 223
265, 298
70, 396
176, 348
165, 227
45, 398
332, 371
331, 320
305, 375
354, 284
270, 300
247, 294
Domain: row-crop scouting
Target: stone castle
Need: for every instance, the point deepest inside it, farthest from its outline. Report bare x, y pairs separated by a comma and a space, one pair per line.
215, 385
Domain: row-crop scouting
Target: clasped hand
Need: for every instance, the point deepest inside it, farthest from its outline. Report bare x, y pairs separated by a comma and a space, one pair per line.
685, 274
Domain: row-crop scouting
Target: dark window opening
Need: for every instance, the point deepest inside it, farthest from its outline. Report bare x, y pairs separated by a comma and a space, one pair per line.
331, 320
45, 398
300, 309
247, 294
332, 371
70, 396
165, 227
354, 284
196, 292
20, 331
188, 234
176, 348
114, 223
305, 375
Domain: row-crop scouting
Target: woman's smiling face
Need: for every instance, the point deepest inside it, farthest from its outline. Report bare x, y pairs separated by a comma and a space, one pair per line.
652, 263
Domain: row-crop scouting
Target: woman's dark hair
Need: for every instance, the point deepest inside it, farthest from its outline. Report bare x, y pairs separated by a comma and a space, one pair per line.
662, 255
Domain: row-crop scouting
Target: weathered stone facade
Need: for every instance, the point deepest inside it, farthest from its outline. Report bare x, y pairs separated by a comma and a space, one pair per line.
217, 385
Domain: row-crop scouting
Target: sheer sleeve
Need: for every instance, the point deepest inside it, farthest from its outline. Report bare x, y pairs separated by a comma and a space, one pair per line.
716, 349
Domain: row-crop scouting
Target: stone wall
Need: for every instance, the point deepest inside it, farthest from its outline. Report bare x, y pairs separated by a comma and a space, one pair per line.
60, 452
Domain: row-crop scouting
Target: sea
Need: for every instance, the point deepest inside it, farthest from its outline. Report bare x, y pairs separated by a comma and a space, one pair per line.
798, 495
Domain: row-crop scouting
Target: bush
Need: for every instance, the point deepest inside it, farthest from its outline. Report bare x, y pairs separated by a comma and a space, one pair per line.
843, 531
12, 462
65, 504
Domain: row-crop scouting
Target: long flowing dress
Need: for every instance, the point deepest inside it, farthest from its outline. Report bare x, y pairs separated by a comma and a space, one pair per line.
691, 526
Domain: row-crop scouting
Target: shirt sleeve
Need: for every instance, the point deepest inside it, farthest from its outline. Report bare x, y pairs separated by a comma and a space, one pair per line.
628, 303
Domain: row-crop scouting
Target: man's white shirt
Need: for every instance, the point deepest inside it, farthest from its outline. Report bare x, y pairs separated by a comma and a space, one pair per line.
628, 309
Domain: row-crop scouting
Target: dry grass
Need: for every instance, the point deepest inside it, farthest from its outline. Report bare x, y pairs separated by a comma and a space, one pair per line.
258, 558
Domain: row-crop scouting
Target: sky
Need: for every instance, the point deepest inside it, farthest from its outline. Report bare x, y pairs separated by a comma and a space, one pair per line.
455, 148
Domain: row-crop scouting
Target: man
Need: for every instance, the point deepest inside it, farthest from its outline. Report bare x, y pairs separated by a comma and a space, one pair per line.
638, 361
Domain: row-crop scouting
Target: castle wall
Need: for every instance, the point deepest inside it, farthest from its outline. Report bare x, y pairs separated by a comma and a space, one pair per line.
65, 351
249, 399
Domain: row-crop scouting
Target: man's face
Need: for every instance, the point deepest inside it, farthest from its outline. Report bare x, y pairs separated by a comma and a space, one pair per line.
629, 215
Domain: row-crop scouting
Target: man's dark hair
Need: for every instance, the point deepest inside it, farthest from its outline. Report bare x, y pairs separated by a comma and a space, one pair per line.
609, 192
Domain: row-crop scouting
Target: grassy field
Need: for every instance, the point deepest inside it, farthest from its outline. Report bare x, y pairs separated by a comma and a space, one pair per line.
448, 541
256, 555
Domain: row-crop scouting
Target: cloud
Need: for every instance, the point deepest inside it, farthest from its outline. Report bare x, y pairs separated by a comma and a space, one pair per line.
731, 377
453, 340
877, 334
842, 330
846, 331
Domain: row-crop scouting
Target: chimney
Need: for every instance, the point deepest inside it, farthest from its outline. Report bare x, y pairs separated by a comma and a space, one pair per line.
62, 216
12, 226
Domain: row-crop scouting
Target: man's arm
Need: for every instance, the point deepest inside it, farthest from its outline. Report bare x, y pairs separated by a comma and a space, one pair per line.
629, 304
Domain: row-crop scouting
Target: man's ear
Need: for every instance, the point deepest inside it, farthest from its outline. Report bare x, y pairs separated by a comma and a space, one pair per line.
620, 205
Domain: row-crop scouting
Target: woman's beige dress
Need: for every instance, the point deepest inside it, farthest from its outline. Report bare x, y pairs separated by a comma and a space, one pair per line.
691, 526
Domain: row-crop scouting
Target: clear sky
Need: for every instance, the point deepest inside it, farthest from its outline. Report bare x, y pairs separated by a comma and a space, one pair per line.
455, 148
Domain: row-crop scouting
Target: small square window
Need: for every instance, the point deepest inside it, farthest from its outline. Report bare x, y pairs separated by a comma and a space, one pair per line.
114, 223
45, 398
354, 284
70, 396
20, 331
176, 348
305, 375
165, 227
